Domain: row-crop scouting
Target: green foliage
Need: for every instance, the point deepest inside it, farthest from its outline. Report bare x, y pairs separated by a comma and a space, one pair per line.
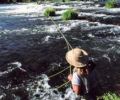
110, 4
111, 96
69, 14
49, 11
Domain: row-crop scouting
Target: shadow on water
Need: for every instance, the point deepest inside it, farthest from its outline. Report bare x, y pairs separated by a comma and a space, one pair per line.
106, 20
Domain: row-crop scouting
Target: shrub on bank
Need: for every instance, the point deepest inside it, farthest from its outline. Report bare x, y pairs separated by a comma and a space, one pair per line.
111, 96
110, 4
49, 12
69, 14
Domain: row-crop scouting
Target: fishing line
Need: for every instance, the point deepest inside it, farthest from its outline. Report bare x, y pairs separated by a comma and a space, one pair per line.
69, 46
67, 42
59, 72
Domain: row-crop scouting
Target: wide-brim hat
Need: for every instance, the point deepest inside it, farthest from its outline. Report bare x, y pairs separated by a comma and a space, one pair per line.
77, 57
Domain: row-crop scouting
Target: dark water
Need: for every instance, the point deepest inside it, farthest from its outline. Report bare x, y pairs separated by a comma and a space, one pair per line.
43, 53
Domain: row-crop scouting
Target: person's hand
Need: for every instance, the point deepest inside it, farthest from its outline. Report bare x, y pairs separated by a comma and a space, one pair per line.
69, 77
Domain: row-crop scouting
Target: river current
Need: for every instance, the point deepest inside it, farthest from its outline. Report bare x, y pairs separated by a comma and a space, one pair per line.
31, 50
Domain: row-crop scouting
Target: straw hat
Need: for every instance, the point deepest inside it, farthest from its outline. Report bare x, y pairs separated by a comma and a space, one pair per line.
77, 57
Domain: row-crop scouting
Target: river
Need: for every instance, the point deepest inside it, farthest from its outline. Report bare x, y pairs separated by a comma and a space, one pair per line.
31, 50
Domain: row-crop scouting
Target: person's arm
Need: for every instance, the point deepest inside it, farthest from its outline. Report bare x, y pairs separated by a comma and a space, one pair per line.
70, 77
76, 89
76, 83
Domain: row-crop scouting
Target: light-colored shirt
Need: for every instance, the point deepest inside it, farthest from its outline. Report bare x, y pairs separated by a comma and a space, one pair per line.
75, 79
79, 80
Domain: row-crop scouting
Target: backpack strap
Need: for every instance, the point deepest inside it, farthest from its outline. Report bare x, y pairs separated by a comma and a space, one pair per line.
84, 85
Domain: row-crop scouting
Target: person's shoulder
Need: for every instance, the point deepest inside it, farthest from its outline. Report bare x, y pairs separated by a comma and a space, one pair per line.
75, 79
75, 75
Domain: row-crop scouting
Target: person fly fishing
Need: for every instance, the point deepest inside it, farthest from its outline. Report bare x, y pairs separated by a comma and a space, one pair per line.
80, 83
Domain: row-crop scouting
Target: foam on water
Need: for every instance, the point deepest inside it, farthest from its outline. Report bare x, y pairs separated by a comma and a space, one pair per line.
12, 66
19, 9
37, 89
40, 89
